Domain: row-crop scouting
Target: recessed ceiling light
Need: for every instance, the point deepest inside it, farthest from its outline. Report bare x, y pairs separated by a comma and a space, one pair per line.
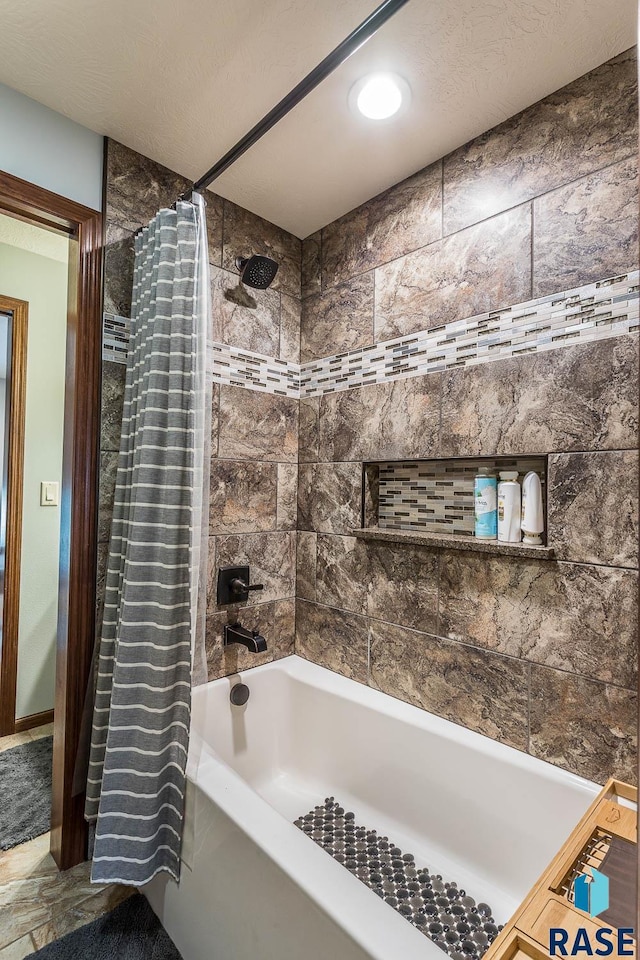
380, 95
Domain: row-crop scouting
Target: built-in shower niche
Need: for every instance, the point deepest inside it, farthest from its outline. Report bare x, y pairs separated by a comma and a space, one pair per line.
433, 499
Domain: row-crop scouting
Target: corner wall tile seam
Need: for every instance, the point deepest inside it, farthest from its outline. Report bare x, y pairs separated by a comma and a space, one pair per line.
598, 310
532, 281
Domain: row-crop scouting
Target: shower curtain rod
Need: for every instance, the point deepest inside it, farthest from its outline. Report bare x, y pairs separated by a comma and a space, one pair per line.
342, 52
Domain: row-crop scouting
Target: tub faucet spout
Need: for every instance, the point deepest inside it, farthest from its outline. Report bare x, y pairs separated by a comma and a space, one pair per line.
251, 639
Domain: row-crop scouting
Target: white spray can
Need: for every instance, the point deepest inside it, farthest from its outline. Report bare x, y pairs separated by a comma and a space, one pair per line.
509, 507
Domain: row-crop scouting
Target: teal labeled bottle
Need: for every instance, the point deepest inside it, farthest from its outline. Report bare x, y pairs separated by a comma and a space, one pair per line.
485, 499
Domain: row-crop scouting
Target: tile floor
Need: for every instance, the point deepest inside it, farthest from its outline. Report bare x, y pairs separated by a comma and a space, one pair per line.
38, 904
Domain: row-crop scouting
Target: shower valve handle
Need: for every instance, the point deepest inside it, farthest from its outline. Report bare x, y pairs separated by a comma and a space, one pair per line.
239, 586
234, 584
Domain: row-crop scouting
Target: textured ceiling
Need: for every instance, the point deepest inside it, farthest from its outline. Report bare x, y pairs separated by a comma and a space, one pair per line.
182, 81
17, 233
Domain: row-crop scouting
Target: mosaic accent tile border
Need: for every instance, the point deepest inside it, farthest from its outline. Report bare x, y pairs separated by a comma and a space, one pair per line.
254, 371
607, 308
239, 368
437, 495
115, 337
451, 918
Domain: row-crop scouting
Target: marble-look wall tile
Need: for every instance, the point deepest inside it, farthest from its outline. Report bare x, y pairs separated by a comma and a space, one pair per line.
113, 382
137, 187
586, 126
402, 219
371, 495
586, 727
271, 557
342, 317
385, 421
243, 496
615, 386
587, 230
479, 269
577, 398
574, 617
592, 506
257, 426
341, 577
480, 690
334, 639
212, 578
246, 234
395, 583
312, 264
102, 560
329, 497
213, 216
287, 503
306, 565
106, 493
249, 327
118, 270
290, 316
215, 418
309, 427
284, 628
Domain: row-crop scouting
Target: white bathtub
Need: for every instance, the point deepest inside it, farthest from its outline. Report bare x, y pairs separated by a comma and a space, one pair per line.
254, 887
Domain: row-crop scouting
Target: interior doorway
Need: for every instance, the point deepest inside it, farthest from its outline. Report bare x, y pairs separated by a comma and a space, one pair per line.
34, 266
81, 229
13, 367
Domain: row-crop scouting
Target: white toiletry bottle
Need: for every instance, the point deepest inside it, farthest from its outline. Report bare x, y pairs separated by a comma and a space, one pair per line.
509, 507
532, 520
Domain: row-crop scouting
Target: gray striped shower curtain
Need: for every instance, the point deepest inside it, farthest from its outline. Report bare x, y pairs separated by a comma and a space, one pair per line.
153, 596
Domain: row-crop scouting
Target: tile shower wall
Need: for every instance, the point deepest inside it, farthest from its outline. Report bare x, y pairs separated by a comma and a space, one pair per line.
540, 655
254, 437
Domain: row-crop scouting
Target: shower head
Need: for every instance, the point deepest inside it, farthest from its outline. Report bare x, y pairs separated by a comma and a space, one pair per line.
257, 272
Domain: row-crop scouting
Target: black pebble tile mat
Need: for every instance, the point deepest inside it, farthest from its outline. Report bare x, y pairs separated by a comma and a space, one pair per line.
454, 921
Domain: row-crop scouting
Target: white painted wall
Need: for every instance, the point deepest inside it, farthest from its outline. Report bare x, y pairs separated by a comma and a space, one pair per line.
3, 407
4, 333
41, 281
41, 146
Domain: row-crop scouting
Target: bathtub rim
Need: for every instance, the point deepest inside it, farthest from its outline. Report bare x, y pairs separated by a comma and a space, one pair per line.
314, 675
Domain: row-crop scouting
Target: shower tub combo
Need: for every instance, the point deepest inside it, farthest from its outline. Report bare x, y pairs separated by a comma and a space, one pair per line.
472, 812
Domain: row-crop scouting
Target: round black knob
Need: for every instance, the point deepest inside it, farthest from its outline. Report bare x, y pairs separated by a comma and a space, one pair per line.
239, 694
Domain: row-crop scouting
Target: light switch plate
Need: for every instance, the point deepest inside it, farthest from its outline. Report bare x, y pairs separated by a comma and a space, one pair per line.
49, 493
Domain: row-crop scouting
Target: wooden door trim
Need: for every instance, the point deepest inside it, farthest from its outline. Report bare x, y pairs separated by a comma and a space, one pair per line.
79, 500
33, 721
16, 404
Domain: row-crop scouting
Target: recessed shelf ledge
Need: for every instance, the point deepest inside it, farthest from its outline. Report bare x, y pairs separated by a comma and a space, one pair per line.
449, 541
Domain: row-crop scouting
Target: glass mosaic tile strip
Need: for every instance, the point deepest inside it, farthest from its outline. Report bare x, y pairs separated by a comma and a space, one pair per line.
115, 337
254, 371
606, 308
